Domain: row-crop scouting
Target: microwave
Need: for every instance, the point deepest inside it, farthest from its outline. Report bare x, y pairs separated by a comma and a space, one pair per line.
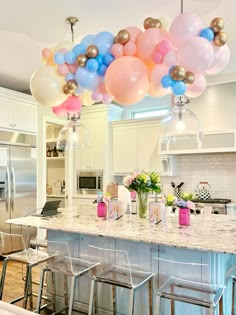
89, 182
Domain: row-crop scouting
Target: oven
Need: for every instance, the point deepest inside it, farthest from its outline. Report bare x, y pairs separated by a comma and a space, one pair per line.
89, 182
210, 206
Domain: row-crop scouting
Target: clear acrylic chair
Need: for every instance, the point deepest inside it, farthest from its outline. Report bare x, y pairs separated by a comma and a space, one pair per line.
185, 282
14, 246
67, 266
232, 274
40, 240
115, 269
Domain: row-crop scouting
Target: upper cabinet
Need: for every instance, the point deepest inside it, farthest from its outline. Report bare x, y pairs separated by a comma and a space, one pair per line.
135, 146
18, 111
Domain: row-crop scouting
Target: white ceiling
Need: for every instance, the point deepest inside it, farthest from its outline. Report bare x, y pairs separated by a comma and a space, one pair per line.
26, 27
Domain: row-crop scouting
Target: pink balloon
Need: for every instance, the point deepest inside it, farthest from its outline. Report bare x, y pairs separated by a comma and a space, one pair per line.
59, 110
62, 69
126, 80
106, 99
46, 53
197, 88
117, 50
157, 73
165, 46
184, 27
170, 58
73, 67
130, 48
158, 56
147, 41
196, 55
73, 104
97, 95
221, 59
134, 33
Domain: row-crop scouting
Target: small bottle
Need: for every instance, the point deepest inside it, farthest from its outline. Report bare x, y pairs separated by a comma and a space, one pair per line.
55, 153
48, 151
133, 207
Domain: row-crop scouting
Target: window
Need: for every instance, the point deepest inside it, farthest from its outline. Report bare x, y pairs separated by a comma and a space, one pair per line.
147, 113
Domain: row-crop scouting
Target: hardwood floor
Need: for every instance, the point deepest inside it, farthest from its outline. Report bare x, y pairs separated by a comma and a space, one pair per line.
14, 284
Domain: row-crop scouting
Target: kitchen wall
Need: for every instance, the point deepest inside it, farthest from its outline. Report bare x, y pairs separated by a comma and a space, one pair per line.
219, 170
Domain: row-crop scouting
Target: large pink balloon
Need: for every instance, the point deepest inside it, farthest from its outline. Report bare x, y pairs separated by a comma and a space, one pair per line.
73, 104
157, 73
183, 27
196, 55
221, 59
197, 88
126, 80
59, 110
134, 32
147, 42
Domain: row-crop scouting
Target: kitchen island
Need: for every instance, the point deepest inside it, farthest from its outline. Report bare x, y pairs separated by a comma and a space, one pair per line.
210, 240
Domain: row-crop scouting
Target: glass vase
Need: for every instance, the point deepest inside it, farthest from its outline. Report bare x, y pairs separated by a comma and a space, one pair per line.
142, 204
184, 216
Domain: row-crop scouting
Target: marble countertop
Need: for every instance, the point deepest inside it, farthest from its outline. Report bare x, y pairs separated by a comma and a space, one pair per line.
216, 233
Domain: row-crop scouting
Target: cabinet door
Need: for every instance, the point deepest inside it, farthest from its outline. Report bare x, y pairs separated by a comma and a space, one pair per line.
6, 113
24, 117
125, 150
148, 144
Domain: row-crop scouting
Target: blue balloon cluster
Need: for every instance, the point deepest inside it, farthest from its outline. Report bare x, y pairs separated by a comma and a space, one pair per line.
207, 33
92, 74
177, 87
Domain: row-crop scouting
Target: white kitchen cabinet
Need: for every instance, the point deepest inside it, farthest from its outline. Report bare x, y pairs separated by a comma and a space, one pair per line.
17, 112
135, 146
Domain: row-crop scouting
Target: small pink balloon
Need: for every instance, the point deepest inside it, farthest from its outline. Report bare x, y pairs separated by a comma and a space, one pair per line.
73, 104
184, 27
165, 46
221, 59
156, 75
126, 80
147, 41
117, 50
196, 55
97, 96
130, 48
134, 33
158, 56
197, 88
59, 110
170, 58
73, 67
106, 99
62, 69
46, 53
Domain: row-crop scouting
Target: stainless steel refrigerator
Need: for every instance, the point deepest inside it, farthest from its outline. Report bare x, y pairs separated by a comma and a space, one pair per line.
18, 181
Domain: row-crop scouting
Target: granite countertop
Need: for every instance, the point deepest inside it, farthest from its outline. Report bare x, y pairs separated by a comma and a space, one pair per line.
214, 233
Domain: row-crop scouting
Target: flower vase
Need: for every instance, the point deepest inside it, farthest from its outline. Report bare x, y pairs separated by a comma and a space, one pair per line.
184, 216
142, 204
101, 210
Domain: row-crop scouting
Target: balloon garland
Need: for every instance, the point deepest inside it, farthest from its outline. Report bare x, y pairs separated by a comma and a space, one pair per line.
131, 64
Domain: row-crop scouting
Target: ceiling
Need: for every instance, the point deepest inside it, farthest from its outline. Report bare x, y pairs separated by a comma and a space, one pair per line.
26, 27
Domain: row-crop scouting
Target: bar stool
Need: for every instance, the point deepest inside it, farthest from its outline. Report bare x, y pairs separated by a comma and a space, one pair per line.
115, 269
18, 252
232, 274
40, 240
63, 264
186, 282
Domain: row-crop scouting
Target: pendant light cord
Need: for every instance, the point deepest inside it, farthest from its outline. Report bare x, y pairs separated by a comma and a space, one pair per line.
182, 7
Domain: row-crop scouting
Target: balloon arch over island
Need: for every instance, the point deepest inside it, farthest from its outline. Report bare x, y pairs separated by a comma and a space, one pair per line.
132, 64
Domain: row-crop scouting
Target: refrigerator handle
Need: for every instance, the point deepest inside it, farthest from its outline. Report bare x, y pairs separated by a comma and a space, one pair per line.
13, 191
7, 189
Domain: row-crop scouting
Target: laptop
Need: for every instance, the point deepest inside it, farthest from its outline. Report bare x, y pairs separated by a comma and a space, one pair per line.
50, 208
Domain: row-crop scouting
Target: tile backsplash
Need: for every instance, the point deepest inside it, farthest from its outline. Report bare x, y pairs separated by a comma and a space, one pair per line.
219, 170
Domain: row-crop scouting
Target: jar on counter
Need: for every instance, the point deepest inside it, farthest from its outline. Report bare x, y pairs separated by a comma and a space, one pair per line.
184, 216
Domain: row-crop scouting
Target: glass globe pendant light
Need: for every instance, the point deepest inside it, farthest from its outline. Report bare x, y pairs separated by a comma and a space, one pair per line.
181, 128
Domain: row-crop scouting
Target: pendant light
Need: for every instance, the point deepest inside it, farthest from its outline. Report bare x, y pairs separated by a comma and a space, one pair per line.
73, 135
181, 128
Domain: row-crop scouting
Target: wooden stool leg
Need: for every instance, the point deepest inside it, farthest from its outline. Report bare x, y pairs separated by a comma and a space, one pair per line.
172, 302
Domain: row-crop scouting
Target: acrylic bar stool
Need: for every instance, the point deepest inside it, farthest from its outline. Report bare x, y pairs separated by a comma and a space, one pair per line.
40, 240
115, 269
14, 245
67, 266
186, 282
232, 274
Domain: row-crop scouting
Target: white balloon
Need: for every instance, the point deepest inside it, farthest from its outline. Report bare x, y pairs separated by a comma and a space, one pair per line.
221, 59
46, 86
64, 44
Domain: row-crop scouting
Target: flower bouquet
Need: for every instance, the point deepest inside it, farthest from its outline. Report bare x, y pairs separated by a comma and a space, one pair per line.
143, 183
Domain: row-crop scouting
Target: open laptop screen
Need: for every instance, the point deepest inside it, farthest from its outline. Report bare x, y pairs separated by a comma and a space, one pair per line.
50, 208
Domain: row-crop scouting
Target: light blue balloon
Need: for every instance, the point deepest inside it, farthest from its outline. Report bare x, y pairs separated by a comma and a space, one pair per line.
70, 58
108, 58
179, 88
59, 58
167, 81
86, 79
104, 42
99, 59
69, 76
102, 70
207, 33
92, 65
88, 40
79, 49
